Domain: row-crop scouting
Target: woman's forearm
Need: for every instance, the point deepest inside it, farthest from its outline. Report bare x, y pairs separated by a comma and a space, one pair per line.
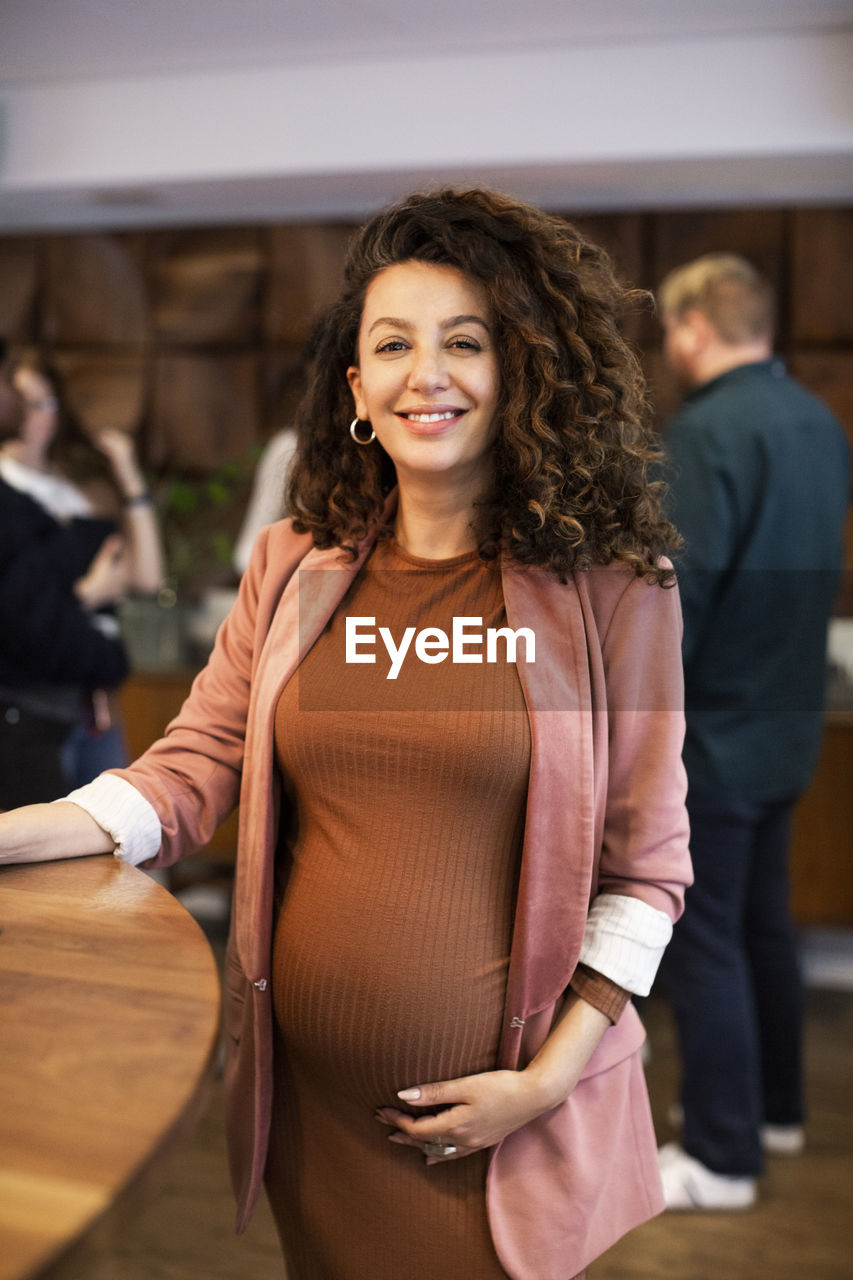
147, 562
560, 1063
145, 545
48, 832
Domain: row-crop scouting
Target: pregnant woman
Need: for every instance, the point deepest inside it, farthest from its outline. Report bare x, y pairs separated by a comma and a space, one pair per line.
448, 700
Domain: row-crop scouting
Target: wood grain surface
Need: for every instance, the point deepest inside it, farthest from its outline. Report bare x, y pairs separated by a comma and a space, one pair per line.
109, 1008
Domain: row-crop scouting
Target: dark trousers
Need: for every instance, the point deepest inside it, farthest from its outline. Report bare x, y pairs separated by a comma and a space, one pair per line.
732, 973
86, 753
30, 765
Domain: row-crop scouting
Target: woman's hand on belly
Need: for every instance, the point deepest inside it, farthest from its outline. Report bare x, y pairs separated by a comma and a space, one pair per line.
480, 1110
476, 1112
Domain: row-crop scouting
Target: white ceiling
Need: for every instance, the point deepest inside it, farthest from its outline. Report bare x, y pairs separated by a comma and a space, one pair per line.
71, 39
142, 112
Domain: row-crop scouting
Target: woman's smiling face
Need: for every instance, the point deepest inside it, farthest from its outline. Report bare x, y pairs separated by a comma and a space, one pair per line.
427, 377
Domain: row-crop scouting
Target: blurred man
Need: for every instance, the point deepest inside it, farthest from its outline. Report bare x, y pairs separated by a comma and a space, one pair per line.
760, 483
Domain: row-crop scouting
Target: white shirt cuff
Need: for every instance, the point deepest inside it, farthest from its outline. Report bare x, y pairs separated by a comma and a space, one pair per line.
124, 813
625, 939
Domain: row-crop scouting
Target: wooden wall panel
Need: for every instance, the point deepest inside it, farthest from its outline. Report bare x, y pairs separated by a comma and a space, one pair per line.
95, 291
756, 233
206, 286
624, 237
284, 378
821, 268
305, 268
19, 283
664, 392
821, 862
829, 374
104, 389
205, 410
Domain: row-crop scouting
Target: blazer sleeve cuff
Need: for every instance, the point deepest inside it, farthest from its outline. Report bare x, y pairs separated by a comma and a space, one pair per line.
124, 814
625, 939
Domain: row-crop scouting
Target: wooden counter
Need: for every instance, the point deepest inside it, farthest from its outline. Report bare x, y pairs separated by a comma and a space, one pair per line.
822, 857
109, 1009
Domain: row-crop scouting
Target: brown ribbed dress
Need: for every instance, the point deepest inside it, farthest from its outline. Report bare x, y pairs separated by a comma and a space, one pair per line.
392, 944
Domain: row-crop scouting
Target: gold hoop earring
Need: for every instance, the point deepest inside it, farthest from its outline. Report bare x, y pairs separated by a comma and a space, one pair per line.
353, 430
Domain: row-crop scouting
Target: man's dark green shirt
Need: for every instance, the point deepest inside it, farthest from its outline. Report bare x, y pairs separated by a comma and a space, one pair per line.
759, 472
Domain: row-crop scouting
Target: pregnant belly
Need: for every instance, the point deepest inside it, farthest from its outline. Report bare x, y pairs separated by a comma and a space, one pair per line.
375, 991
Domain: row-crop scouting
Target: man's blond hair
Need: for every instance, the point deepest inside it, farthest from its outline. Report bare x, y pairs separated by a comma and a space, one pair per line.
728, 290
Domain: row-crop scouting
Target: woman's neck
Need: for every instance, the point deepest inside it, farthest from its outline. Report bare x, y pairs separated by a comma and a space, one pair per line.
34, 459
434, 528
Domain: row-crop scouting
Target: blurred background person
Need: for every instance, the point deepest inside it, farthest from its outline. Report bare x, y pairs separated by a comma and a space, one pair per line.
68, 559
760, 480
266, 501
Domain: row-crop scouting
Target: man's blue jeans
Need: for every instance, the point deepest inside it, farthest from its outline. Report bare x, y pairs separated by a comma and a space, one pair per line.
732, 973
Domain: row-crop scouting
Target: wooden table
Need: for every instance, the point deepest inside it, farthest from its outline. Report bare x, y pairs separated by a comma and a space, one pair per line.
109, 1010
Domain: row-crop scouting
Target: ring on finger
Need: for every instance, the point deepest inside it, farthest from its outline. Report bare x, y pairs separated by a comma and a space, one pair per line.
439, 1148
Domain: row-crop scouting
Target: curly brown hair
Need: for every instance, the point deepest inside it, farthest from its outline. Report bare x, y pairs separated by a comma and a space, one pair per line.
571, 462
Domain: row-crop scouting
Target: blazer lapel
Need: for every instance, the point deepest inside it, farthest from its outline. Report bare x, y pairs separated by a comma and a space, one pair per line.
314, 591
557, 866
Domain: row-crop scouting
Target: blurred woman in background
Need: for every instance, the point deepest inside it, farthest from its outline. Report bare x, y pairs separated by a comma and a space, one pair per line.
71, 552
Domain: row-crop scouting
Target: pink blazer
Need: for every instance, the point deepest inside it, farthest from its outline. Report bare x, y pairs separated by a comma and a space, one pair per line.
605, 813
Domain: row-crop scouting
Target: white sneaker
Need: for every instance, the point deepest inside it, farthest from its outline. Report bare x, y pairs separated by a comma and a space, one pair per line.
776, 1139
687, 1184
783, 1139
